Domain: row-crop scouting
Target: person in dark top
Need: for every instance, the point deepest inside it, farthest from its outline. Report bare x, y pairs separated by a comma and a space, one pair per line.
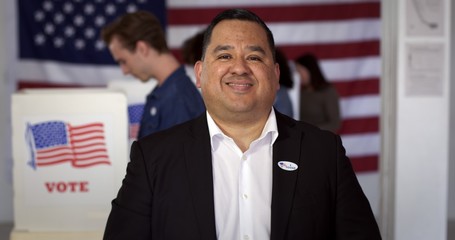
319, 101
283, 102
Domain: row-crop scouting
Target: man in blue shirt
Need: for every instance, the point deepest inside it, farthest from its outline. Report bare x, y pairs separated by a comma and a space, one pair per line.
137, 42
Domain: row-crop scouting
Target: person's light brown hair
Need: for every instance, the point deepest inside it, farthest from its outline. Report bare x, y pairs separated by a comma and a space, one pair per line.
137, 26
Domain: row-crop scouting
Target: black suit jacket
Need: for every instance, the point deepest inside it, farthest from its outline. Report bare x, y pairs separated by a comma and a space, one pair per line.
168, 189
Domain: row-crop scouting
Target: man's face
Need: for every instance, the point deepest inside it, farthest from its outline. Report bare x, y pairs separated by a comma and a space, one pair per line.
238, 73
131, 62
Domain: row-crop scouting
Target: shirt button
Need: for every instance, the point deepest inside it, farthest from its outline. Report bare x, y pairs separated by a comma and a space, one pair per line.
246, 237
153, 111
245, 196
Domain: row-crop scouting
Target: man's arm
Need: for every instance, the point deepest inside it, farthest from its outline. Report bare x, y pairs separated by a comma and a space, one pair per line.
131, 210
354, 217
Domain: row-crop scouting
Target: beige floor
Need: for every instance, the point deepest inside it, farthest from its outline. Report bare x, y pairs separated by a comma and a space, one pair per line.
5, 234
5, 230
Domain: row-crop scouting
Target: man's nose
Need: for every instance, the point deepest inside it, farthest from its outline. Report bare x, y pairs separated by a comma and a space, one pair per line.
240, 66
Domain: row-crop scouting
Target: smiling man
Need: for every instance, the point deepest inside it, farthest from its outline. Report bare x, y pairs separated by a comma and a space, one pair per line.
238, 79
242, 170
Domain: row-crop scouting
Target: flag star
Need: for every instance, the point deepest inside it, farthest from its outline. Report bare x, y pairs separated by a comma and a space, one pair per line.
79, 20
131, 8
48, 6
39, 16
49, 28
99, 45
89, 32
69, 31
141, 1
40, 39
58, 42
100, 21
58, 18
79, 43
68, 7
110, 9
89, 9
120, 1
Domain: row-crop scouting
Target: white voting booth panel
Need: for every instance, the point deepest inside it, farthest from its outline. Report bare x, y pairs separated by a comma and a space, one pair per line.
70, 151
135, 90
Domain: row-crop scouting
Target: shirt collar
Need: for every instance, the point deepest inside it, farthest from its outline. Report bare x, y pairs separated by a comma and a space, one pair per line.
216, 133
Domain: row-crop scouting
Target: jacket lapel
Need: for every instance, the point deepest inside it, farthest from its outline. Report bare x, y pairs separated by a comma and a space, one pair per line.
286, 148
198, 160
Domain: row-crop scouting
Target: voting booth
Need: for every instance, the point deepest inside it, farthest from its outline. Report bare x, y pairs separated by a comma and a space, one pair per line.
70, 152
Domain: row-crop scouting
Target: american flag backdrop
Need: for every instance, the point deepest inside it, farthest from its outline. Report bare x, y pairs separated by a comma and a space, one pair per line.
58, 44
343, 34
58, 142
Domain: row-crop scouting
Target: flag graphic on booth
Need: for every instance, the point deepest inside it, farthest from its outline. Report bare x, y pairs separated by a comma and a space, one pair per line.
135, 112
58, 142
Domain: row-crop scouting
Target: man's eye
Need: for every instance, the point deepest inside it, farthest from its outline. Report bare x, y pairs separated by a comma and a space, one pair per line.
254, 58
224, 57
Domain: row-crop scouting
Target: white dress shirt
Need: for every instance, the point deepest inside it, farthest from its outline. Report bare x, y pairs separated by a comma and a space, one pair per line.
243, 183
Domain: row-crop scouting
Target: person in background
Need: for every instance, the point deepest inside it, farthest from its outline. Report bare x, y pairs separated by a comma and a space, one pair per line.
283, 102
192, 52
319, 101
192, 48
137, 42
241, 170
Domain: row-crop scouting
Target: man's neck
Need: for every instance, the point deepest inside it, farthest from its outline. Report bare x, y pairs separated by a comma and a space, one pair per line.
166, 64
242, 132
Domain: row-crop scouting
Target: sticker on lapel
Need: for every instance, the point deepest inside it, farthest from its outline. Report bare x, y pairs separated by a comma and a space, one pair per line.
287, 166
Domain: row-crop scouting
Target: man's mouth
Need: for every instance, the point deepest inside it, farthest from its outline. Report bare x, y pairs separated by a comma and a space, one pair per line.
239, 84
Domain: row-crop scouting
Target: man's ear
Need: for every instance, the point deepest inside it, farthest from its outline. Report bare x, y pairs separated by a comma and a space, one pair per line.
198, 72
142, 47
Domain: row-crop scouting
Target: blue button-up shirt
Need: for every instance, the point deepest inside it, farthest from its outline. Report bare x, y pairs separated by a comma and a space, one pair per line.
177, 100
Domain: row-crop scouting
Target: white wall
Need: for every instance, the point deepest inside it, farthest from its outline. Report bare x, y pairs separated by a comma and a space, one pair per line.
452, 124
417, 146
6, 192
422, 144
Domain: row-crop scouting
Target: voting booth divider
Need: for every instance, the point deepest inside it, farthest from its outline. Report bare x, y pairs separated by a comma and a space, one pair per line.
70, 152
